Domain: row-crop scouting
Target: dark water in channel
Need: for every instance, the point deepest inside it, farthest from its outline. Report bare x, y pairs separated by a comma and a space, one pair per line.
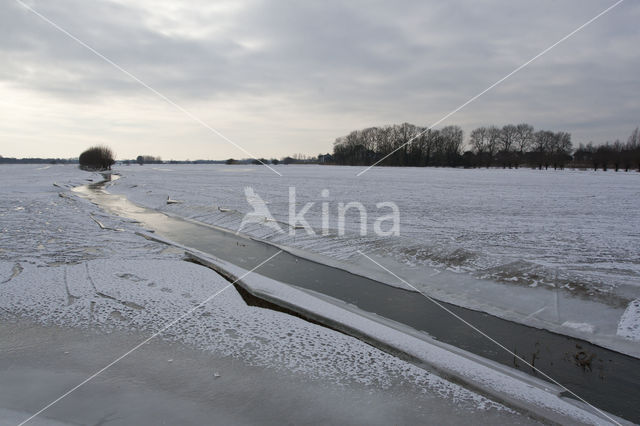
605, 378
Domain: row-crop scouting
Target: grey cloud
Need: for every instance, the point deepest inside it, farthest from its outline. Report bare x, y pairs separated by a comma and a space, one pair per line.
383, 59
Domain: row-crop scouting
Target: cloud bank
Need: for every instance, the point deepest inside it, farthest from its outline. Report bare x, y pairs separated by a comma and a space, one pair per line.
286, 77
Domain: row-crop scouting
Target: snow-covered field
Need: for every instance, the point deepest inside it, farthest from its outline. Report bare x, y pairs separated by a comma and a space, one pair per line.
58, 267
573, 229
554, 249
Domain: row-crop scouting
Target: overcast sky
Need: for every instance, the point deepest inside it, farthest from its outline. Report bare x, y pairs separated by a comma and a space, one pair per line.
281, 77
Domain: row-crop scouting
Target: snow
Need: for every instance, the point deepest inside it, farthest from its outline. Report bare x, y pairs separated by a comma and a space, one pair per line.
147, 294
66, 263
60, 268
629, 325
519, 389
553, 228
7, 272
551, 249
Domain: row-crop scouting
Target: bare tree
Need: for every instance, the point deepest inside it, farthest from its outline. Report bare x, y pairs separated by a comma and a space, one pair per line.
508, 137
562, 148
453, 138
480, 144
506, 144
478, 140
543, 142
523, 140
493, 143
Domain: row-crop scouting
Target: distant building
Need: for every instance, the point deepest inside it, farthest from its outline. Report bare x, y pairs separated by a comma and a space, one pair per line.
326, 158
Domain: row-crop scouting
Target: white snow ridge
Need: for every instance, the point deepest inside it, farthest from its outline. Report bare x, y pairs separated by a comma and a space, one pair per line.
629, 325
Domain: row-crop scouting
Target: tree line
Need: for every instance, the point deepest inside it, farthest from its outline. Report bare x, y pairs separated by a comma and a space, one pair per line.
616, 155
512, 145
515, 145
402, 144
34, 160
